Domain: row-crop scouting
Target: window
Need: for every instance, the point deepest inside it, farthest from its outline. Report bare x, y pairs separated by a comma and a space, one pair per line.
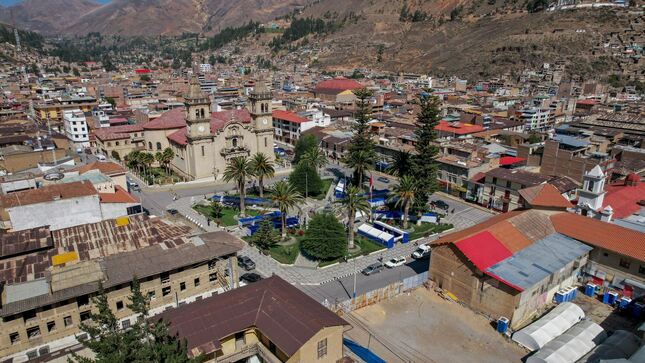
33, 332
149, 145
164, 277
625, 263
67, 321
85, 315
125, 323
234, 142
152, 295
119, 305
14, 337
605, 254
212, 264
75, 129
322, 348
265, 142
212, 277
494, 180
51, 326
158, 146
182, 286
116, 143
203, 153
508, 183
590, 186
641, 270
196, 282
109, 143
165, 291
82, 300
28, 315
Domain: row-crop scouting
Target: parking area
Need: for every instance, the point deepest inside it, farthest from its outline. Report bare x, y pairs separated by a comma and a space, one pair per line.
420, 326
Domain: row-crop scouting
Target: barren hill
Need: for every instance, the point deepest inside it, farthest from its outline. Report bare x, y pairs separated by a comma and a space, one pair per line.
46, 16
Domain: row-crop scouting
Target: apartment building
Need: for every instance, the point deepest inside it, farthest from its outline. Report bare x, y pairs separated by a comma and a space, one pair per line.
501, 187
76, 128
537, 119
51, 113
50, 277
268, 321
288, 126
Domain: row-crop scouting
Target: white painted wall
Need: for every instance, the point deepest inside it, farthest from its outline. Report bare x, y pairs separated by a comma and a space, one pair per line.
57, 214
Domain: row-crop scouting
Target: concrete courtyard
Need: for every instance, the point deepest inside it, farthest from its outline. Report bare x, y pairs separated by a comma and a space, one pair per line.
420, 326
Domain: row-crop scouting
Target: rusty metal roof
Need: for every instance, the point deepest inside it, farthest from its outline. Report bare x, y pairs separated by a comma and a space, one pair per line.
280, 311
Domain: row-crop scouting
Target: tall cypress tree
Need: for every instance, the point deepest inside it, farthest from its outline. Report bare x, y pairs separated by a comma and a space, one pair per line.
361, 153
424, 166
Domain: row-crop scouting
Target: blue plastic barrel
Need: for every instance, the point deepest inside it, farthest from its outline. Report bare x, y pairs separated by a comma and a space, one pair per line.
590, 289
637, 310
560, 297
502, 325
613, 297
623, 303
605, 298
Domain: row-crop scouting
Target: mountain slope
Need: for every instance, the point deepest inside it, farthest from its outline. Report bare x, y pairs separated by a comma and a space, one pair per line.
46, 16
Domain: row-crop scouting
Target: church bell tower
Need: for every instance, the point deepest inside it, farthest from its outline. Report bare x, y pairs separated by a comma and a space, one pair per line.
198, 112
261, 109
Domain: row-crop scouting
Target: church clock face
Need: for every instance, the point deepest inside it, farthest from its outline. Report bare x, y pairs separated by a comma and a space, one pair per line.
265, 121
200, 128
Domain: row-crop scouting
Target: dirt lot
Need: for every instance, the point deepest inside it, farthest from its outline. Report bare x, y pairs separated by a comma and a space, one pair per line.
422, 327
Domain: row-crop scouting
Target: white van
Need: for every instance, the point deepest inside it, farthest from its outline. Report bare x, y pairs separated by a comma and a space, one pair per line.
101, 157
422, 251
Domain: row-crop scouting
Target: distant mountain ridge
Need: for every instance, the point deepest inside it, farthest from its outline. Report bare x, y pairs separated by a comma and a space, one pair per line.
142, 17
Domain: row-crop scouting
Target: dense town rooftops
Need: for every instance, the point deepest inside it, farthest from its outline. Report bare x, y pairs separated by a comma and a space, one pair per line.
457, 128
288, 116
280, 311
519, 176
105, 167
116, 132
545, 195
337, 85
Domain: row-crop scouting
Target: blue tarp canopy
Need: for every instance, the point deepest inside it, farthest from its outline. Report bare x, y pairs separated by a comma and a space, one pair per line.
362, 352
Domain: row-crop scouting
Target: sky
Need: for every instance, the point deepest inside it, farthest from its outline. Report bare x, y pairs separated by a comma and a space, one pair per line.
13, 2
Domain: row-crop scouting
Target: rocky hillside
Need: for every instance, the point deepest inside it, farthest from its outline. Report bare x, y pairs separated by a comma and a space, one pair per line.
143, 17
46, 16
468, 38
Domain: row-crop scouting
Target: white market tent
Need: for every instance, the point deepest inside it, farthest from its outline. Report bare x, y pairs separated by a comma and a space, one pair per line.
621, 344
572, 345
548, 327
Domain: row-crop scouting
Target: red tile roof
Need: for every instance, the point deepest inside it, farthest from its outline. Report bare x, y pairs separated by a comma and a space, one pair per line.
609, 236
483, 250
337, 85
624, 199
457, 128
116, 132
288, 116
48, 193
545, 195
172, 119
105, 167
119, 196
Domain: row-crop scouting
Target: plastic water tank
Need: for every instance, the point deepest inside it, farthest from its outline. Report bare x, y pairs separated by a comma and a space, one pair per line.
502, 325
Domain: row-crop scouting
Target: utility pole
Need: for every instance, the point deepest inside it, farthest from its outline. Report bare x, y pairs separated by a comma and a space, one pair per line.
354, 274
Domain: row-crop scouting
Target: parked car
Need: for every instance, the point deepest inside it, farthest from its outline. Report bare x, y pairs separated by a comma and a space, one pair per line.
421, 252
134, 187
372, 269
383, 179
250, 277
395, 262
100, 157
245, 263
172, 211
440, 204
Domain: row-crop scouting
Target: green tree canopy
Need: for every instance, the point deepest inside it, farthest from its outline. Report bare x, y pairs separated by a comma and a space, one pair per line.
325, 238
265, 237
306, 180
303, 145
361, 153
424, 166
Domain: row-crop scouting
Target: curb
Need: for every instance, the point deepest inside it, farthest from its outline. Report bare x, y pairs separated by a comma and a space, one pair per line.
472, 205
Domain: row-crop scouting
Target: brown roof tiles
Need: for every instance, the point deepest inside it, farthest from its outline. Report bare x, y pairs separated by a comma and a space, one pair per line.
48, 194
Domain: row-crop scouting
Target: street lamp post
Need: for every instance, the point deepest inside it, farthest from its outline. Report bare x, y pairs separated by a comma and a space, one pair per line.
354, 276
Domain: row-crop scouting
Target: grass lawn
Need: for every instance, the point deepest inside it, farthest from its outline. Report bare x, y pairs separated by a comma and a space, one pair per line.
283, 254
227, 213
326, 183
366, 246
426, 229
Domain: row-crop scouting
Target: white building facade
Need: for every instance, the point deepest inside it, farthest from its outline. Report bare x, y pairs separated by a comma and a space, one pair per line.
76, 128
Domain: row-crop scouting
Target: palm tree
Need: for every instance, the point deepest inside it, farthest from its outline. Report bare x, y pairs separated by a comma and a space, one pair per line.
262, 168
314, 157
167, 156
353, 202
286, 197
159, 158
404, 195
133, 159
146, 160
401, 164
239, 169
216, 212
361, 162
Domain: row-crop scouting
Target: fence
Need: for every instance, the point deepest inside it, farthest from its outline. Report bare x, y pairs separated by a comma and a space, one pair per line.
378, 295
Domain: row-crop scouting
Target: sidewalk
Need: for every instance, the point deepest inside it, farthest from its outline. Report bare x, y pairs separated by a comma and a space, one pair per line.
472, 205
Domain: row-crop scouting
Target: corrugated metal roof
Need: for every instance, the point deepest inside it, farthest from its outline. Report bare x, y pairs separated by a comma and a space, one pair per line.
483, 250
538, 261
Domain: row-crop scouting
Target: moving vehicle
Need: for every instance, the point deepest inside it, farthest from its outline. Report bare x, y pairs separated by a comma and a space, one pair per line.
372, 269
134, 187
245, 262
172, 211
440, 204
421, 252
250, 277
395, 262
383, 179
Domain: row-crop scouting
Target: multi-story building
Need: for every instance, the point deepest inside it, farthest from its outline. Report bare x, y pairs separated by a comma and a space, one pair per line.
100, 119
51, 276
76, 128
119, 140
501, 187
537, 119
51, 113
288, 126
